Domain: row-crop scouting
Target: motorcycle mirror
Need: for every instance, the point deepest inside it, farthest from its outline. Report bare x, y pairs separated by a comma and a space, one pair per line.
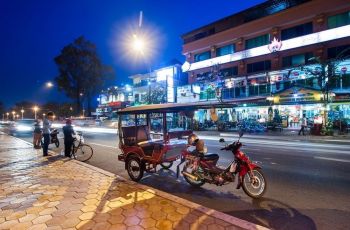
222, 140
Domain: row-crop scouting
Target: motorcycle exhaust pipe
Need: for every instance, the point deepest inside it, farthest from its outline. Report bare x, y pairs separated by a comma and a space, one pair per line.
190, 176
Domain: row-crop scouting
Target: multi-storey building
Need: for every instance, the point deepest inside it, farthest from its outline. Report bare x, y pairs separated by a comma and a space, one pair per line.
158, 86
112, 99
289, 55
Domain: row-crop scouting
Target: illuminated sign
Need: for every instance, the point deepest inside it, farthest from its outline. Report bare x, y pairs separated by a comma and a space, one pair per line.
163, 74
275, 45
310, 39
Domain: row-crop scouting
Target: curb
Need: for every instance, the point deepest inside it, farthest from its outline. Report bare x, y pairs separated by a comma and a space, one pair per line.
210, 212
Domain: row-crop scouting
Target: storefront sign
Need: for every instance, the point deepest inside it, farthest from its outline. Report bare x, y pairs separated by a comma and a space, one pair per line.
310, 39
344, 69
275, 45
115, 104
342, 97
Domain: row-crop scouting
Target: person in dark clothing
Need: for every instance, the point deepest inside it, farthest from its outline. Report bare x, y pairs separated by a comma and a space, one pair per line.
68, 133
37, 134
46, 132
303, 125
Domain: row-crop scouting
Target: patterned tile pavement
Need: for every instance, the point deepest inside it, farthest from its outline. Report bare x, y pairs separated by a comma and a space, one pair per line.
57, 193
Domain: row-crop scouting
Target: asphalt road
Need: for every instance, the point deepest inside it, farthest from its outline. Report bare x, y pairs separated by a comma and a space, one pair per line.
308, 181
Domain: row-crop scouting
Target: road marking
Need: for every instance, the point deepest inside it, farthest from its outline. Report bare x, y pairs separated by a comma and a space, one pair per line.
332, 159
107, 146
338, 140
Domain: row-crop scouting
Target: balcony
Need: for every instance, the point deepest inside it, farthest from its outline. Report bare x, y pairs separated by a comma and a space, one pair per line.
336, 83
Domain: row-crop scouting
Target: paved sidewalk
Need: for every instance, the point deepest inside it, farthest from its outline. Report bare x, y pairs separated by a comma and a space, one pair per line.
57, 193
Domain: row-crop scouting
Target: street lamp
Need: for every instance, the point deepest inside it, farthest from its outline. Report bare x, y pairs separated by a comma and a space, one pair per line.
49, 84
7, 115
13, 115
138, 44
35, 110
22, 111
17, 116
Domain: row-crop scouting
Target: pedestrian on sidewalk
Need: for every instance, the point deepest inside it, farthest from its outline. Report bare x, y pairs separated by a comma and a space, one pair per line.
303, 125
47, 122
37, 135
68, 133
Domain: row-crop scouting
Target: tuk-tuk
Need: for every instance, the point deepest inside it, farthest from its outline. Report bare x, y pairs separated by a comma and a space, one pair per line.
153, 135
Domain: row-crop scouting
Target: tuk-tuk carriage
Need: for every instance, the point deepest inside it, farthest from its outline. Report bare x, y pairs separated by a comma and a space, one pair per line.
153, 135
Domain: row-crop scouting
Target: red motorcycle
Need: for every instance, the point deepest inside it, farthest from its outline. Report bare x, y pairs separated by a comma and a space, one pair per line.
200, 169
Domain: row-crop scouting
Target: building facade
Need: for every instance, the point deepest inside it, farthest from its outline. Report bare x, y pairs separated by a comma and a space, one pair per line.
289, 55
158, 86
112, 99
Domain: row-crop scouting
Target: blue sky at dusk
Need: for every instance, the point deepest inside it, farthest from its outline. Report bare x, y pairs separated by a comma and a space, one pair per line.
34, 32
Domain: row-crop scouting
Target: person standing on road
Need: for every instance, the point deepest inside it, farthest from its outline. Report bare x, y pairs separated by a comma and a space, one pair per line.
37, 134
47, 122
303, 125
68, 133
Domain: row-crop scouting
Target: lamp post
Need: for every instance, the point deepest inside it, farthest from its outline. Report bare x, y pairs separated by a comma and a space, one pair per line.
35, 110
22, 111
7, 115
13, 115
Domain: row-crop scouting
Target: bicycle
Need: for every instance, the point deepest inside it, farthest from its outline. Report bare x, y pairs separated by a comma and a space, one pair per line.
81, 151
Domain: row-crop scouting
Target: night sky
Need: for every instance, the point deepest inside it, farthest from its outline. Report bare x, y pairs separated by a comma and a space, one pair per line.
34, 32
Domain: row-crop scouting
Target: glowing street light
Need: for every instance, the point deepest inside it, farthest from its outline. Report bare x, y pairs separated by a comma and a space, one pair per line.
13, 115
22, 111
36, 108
138, 44
49, 84
7, 115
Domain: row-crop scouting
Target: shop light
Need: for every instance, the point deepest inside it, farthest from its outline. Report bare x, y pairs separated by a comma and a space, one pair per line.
270, 98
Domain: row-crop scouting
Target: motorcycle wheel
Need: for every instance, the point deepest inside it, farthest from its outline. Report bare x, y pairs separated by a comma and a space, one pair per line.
166, 165
258, 188
192, 182
57, 143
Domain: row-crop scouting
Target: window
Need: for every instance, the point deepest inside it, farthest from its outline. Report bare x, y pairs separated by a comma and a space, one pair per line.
339, 51
229, 49
339, 20
202, 56
229, 72
259, 66
297, 31
296, 60
258, 41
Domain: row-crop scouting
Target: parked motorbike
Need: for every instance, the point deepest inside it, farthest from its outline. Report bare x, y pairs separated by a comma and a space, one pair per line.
201, 169
53, 138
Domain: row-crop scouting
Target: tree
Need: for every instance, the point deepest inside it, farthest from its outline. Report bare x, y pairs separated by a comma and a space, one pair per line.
81, 72
156, 95
61, 110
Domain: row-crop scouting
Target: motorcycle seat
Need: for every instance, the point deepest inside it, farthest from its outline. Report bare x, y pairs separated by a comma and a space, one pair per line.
210, 157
